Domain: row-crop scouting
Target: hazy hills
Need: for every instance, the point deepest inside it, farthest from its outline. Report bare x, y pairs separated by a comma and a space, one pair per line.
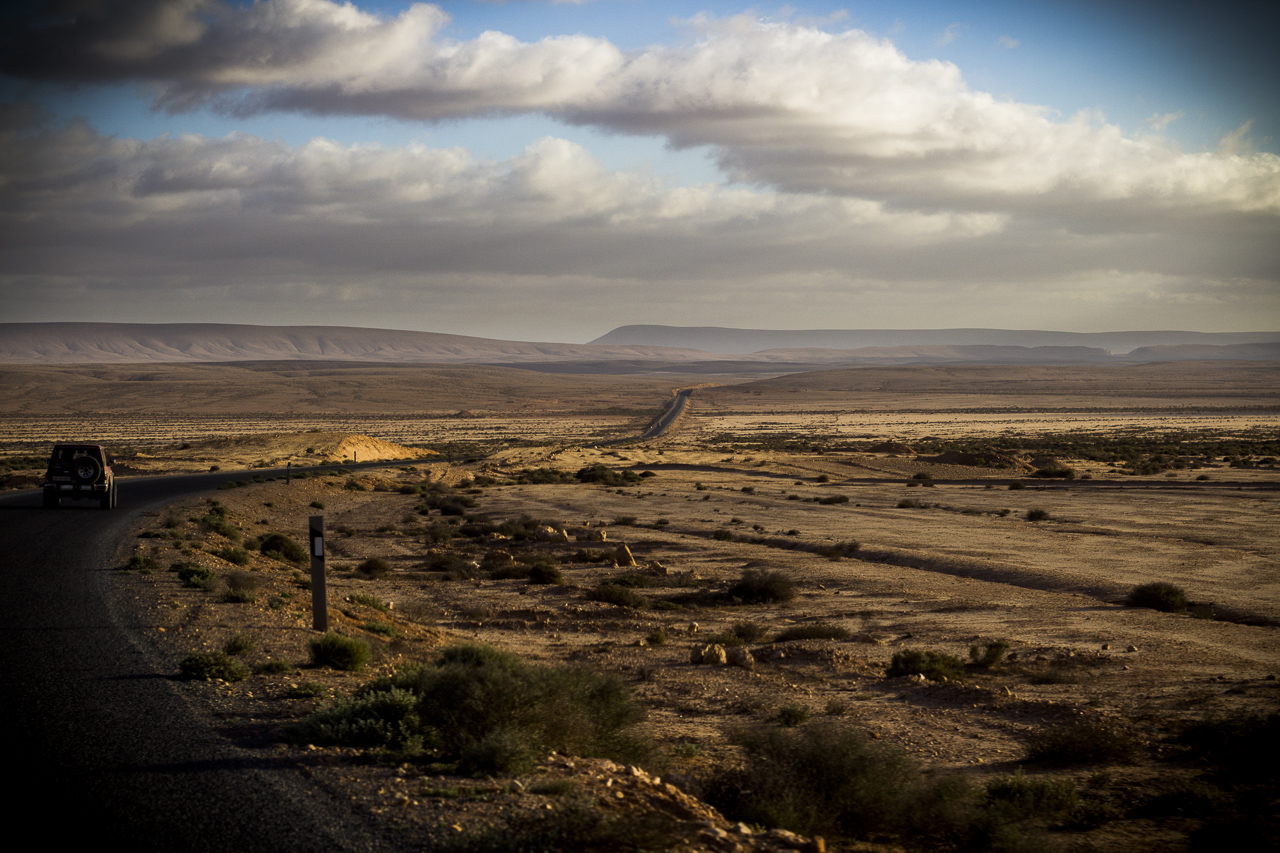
741, 341
627, 349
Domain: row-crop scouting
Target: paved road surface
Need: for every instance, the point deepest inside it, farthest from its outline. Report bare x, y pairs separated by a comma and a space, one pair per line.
101, 742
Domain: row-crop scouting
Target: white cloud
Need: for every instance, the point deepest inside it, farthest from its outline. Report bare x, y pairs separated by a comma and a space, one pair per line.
950, 34
1008, 42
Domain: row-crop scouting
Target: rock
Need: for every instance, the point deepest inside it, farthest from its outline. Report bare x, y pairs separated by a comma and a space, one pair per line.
1132, 649
658, 569
712, 653
622, 556
740, 656
550, 534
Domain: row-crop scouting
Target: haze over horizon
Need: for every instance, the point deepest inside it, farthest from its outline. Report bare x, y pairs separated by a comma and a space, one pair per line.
552, 171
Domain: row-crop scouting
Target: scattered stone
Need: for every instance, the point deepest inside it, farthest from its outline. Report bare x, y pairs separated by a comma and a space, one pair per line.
740, 656
1132, 649
622, 556
713, 653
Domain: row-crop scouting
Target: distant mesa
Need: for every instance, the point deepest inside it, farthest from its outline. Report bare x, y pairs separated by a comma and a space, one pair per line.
627, 349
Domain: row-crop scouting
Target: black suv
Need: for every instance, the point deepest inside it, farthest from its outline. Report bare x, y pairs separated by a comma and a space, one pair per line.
79, 472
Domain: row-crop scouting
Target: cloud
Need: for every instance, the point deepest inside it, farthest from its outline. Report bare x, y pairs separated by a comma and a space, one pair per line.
1008, 42
950, 34
782, 104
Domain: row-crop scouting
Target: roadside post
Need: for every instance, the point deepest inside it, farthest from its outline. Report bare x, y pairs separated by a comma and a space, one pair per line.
319, 601
288, 473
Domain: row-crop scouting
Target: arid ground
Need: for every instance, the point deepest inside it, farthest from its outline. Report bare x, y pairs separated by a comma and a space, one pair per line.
916, 509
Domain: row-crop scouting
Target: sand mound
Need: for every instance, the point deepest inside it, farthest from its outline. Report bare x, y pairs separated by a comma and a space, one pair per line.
310, 447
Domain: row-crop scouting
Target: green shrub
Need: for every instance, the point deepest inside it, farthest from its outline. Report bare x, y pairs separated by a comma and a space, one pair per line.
276, 667
239, 644
813, 631
195, 575
935, 666
1158, 596
758, 586
606, 476
829, 780
209, 666
489, 711
988, 654
335, 650
317, 504
281, 547
793, 715
384, 628
619, 595
1087, 740
368, 601
374, 567
144, 563
234, 554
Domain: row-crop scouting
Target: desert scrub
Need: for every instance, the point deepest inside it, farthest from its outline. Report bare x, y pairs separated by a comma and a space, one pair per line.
487, 710
374, 567
813, 631
988, 654
758, 586
195, 575
832, 780
618, 595
1158, 596
239, 644
935, 666
210, 666
282, 548
1087, 740
234, 554
335, 650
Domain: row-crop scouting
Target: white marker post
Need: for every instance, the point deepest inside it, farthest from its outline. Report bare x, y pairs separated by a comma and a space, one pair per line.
319, 600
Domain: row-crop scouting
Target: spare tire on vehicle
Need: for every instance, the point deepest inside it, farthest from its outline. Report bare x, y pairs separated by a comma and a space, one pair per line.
86, 470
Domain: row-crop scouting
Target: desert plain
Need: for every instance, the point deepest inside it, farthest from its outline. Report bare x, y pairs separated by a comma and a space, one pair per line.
934, 509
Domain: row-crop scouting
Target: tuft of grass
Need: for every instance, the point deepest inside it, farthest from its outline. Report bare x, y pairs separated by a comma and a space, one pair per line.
813, 631
619, 595
239, 644
368, 601
758, 586
317, 504
210, 666
334, 650
1087, 740
988, 654
1160, 596
793, 715
276, 667
374, 567
935, 666
234, 554
385, 629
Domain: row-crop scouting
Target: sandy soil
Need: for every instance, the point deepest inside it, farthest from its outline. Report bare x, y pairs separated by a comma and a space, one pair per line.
961, 565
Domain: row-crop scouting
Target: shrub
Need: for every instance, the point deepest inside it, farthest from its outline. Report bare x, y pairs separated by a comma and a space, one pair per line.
813, 631
383, 628
239, 644
619, 595
1087, 740
833, 499
317, 504
368, 601
907, 503
234, 554
606, 476
988, 654
1059, 471
194, 575
214, 665
935, 666
922, 475
282, 548
722, 535
793, 715
820, 779
374, 567
1015, 798
335, 650
144, 563
1160, 596
489, 711
1037, 514
836, 550
757, 586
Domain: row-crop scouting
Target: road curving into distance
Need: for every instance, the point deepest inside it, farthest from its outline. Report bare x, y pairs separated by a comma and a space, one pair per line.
102, 743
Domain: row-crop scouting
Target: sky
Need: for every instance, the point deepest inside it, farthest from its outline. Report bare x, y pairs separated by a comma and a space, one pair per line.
550, 171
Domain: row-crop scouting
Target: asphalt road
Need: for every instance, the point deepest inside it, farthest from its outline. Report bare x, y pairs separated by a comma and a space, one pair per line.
102, 744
